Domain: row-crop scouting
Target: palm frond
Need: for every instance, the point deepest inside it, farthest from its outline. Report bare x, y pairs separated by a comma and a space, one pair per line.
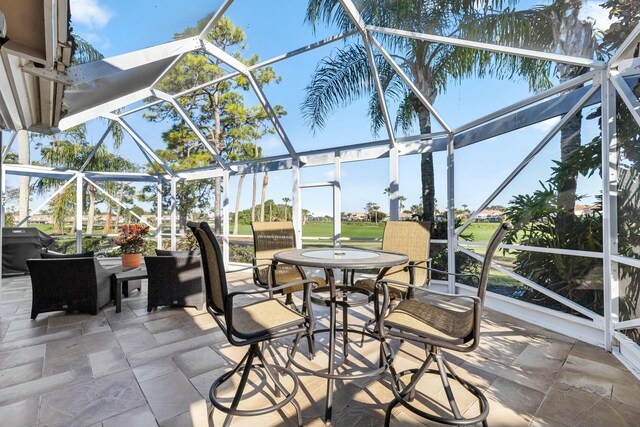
337, 81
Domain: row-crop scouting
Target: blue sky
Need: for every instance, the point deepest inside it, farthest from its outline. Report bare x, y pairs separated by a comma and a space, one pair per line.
276, 26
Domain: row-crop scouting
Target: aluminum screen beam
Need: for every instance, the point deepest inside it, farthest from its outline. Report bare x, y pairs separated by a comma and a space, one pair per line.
215, 18
569, 84
357, 20
627, 95
577, 107
38, 171
9, 144
166, 97
47, 200
96, 147
609, 166
143, 145
521, 119
527, 53
117, 202
627, 47
259, 65
409, 83
272, 115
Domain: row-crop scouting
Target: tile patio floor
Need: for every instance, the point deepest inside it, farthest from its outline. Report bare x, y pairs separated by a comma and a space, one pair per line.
145, 369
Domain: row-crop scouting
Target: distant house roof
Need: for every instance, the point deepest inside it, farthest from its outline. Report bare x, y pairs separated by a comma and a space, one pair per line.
490, 212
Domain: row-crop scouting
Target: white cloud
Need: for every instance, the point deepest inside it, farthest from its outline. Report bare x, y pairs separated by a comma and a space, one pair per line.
592, 11
90, 13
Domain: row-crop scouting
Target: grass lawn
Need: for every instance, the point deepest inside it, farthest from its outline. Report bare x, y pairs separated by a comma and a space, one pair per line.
482, 231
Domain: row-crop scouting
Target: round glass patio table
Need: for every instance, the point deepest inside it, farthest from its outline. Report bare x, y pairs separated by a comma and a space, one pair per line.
345, 296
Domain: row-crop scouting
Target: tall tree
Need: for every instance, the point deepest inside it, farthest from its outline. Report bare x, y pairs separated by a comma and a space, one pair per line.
217, 110
346, 76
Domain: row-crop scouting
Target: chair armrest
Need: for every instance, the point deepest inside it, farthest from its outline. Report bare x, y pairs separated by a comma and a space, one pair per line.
277, 288
250, 267
383, 283
449, 274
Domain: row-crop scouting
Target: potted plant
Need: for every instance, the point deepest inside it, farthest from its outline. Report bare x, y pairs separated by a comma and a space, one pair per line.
130, 241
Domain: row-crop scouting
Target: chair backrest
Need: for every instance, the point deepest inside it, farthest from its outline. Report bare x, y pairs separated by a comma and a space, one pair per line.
66, 279
212, 266
411, 238
492, 247
272, 237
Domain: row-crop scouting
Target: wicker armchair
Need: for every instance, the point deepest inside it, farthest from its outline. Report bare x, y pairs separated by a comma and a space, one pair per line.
69, 284
250, 325
174, 278
268, 239
438, 320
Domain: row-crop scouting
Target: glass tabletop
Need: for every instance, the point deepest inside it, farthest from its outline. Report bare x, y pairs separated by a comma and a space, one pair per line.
340, 254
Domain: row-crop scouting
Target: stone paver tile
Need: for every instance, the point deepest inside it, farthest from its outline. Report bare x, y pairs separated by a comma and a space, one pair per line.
173, 335
42, 385
24, 334
73, 352
537, 378
543, 355
563, 404
20, 414
510, 403
594, 377
198, 361
11, 358
169, 395
625, 394
96, 325
596, 354
135, 339
608, 412
42, 339
160, 325
155, 368
145, 356
196, 416
69, 319
203, 382
138, 417
91, 401
107, 362
17, 325
21, 373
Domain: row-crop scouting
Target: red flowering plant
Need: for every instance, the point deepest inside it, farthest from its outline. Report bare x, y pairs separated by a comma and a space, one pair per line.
131, 238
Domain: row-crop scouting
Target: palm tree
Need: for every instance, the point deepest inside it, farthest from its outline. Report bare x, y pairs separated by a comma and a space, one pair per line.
346, 76
247, 151
286, 201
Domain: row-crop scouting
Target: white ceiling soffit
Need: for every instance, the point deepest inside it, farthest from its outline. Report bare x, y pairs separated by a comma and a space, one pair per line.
37, 34
103, 86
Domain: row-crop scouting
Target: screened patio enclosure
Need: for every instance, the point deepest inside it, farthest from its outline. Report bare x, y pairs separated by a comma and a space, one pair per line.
118, 87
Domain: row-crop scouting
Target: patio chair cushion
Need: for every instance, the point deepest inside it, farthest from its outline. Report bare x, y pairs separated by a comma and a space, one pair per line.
442, 316
395, 291
262, 317
286, 273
